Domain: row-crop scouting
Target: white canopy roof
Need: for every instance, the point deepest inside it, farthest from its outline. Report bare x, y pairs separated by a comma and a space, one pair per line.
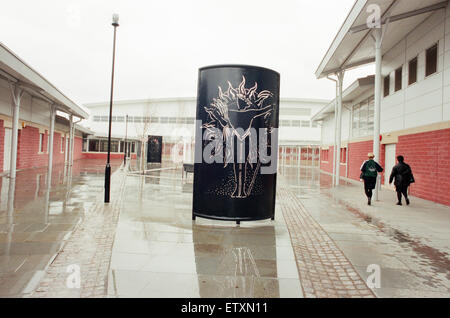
353, 46
356, 89
15, 69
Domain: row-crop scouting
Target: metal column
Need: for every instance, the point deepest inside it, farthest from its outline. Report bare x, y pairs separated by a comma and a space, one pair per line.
17, 94
50, 144
378, 38
70, 149
340, 77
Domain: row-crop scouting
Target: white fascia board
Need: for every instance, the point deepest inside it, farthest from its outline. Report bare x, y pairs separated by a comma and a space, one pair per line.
12, 61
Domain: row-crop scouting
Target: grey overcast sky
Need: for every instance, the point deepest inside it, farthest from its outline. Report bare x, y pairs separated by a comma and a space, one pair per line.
161, 44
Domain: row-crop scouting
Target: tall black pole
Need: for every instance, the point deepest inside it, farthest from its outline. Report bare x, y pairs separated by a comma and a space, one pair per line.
125, 143
115, 24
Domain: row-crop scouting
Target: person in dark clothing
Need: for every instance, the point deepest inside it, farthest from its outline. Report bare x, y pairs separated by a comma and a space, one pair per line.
369, 173
403, 176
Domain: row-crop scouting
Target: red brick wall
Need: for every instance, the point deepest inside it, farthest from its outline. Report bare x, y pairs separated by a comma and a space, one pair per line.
327, 165
2, 143
58, 157
28, 155
28, 148
77, 148
357, 154
428, 155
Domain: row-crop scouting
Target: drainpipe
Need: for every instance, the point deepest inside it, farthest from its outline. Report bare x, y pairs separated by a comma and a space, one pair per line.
73, 140
69, 145
50, 145
16, 93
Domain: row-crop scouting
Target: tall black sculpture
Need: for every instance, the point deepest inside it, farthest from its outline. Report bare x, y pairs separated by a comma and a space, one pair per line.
236, 143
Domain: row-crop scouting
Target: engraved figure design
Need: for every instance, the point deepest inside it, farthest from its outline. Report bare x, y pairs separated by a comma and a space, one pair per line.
234, 112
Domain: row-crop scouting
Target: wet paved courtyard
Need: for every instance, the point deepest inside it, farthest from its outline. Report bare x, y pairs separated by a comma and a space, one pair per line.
144, 243
36, 221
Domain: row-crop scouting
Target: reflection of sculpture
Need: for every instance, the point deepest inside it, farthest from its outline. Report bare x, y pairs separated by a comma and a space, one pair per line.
234, 112
237, 267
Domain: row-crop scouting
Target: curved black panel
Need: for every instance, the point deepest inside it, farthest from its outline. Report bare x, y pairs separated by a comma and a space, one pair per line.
154, 149
237, 111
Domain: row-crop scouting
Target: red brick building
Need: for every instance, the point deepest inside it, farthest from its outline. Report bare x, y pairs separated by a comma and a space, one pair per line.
405, 105
33, 112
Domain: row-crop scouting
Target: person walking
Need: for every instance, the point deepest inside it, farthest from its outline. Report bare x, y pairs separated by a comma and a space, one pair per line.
369, 173
403, 176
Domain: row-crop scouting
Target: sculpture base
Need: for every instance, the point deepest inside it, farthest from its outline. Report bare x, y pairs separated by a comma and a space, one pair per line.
234, 219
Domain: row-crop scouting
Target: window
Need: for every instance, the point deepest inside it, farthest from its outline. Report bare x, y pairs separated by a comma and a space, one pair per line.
103, 145
190, 120
62, 144
305, 124
431, 60
164, 120
97, 118
104, 118
325, 155
412, 71
133, 147
85, 144
362, 118
398, 79
344, 155
172, 120
285, 123
154, 120
387, 85
120, 119
314, 124
137, 119
94, 145
41, 142
114, 146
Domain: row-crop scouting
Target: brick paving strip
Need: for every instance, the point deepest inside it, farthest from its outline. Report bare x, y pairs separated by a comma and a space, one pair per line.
89, 247
323, 269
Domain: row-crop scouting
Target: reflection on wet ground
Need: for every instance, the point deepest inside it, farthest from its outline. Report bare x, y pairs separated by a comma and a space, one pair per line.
36, 219
409, 244
159, 252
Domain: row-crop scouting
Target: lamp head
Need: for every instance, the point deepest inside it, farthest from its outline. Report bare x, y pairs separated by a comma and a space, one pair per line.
115, 20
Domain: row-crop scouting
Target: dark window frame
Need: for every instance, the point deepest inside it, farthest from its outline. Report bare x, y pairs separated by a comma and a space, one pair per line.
431, 65
387, 85
398, 81
412, 76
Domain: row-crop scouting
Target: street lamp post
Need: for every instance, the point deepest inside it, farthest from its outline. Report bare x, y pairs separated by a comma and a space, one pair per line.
115, 24
125, 143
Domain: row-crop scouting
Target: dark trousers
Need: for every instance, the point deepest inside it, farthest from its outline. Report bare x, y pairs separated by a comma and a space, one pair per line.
400, 191
369, 185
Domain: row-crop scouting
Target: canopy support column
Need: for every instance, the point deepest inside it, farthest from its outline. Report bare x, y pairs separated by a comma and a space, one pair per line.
17, 94
340, 78
377, 35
